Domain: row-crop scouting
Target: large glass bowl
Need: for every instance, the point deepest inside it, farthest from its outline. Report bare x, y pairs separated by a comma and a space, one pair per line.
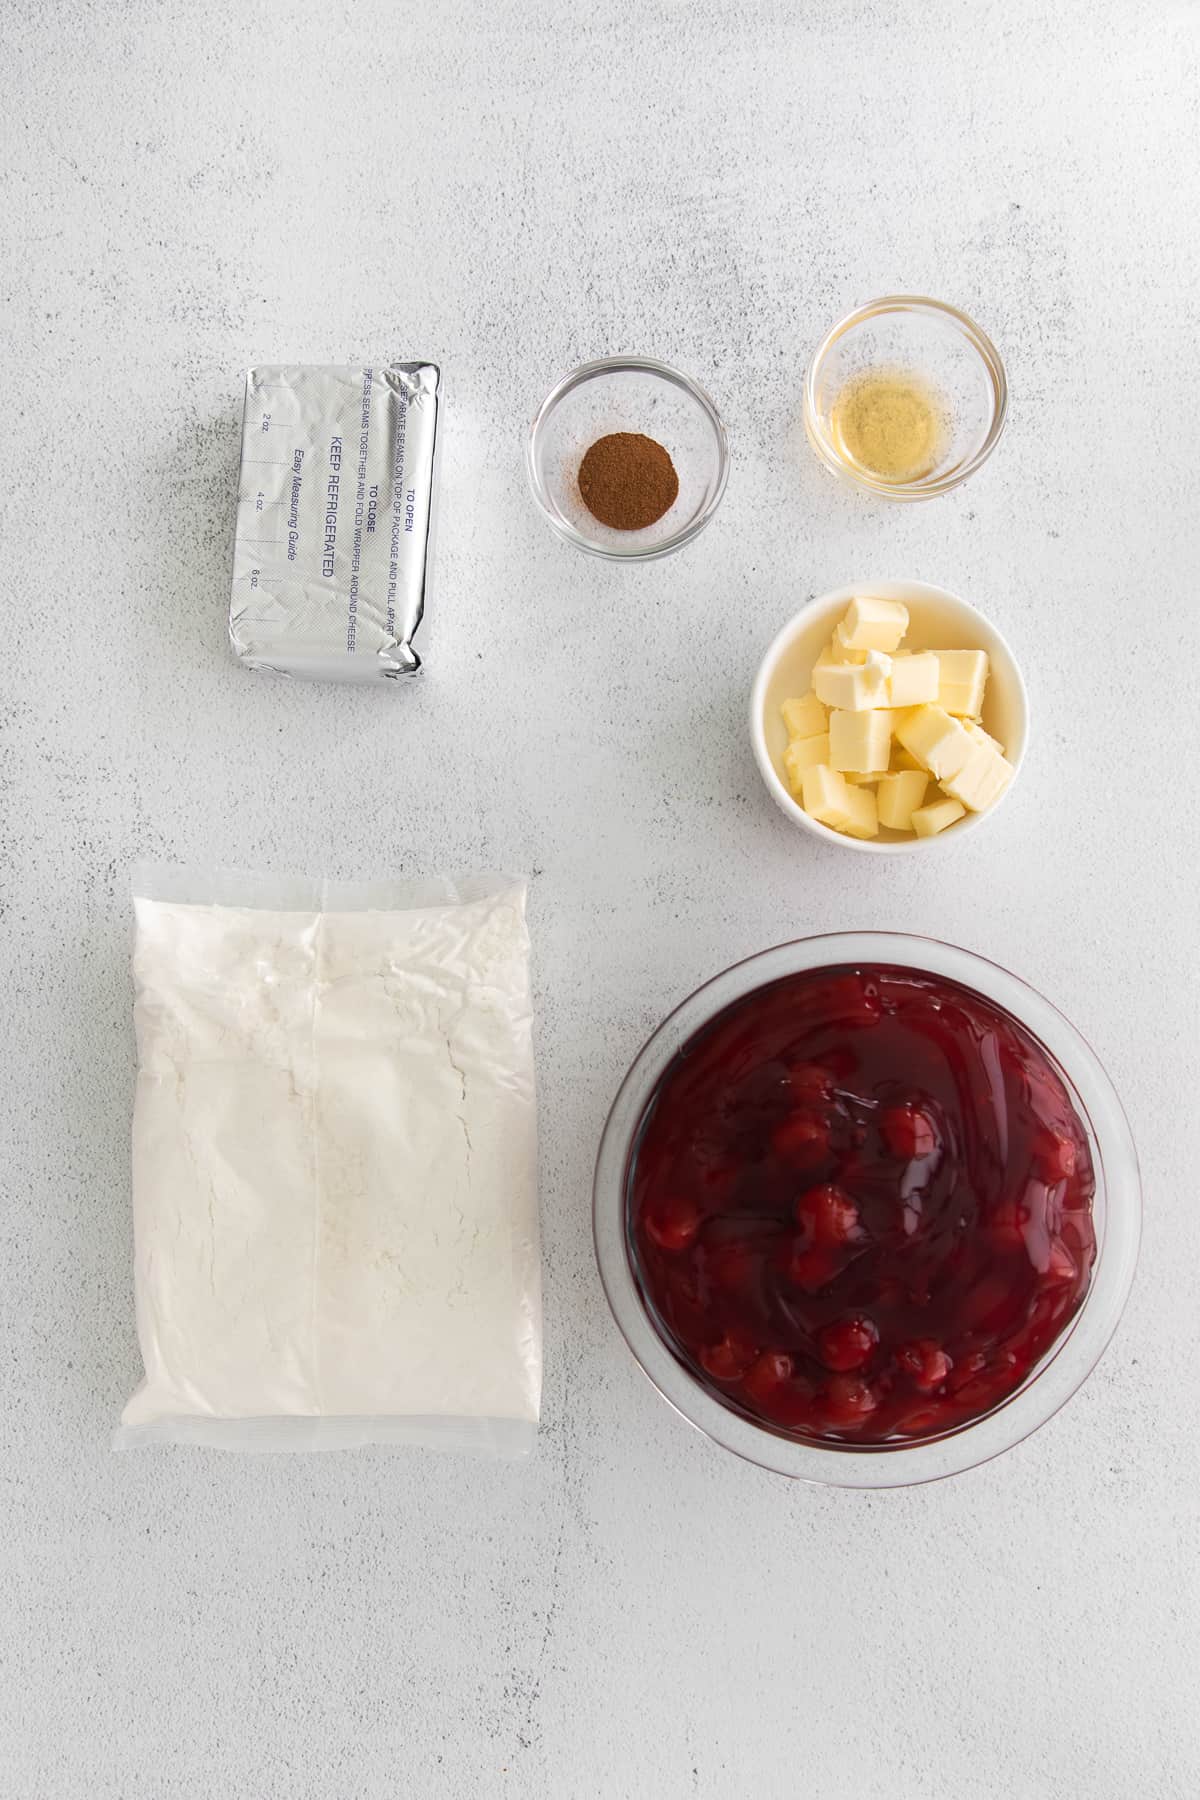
1116, 1215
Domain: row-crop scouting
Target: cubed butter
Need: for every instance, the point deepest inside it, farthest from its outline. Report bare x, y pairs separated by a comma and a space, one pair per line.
880, 721
804, 718
981, 780
829, 798
914, 680
938, 742
863, 821
860, 741
898, 797
841, 652
962, 677
835, 653
825, 796
851, 687
981, 736
927, 821
801, 754
873, 624
902, 758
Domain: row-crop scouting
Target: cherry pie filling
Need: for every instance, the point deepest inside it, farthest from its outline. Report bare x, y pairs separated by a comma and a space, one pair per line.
861, 1207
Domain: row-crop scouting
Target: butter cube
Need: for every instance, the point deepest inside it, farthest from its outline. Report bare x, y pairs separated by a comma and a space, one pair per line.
825, 796
830, 799
801, 754
851, 687
899, 795
835, 653
981, 736
981, 780
962, 677
873, 624
938, 742
927, 821
804, 718
860, 740
914, 680
864, 814
841, 652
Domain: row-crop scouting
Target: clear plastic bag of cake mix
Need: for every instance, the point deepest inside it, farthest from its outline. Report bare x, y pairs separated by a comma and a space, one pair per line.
334, 1164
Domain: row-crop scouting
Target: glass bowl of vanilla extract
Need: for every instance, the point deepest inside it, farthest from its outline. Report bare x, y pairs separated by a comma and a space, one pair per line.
905, 398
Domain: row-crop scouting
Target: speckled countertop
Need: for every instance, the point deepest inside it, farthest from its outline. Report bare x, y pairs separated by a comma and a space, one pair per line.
511, 189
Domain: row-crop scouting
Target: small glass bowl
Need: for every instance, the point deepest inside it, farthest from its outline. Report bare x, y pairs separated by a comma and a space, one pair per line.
1116, 1214
943, 349
628, 393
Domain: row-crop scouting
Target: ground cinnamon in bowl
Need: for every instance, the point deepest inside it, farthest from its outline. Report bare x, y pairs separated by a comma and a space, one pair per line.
627, 481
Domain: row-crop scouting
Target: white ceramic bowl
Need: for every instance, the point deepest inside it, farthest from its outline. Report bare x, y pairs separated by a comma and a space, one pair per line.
938, 620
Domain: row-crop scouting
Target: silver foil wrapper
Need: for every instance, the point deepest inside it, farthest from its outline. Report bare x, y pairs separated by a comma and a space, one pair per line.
335, 512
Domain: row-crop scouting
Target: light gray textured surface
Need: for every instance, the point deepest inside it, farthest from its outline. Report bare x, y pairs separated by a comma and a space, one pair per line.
513, 188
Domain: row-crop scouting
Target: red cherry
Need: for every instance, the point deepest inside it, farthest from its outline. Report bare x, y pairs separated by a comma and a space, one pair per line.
802, 1139
847, 1343
848, 1401
772, 1370
908, 1132
1028, 1224
729, 1359
1056, 1156
1046, 1096
809, 1082
920, 1422
851, 1001
777, 1392
983, 1391
1006, 1224
672, 1226
1060, 1267
964, 1368
926, 1362
829, 1214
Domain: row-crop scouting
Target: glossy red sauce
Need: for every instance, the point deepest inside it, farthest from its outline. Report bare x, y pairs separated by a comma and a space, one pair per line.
861, 1208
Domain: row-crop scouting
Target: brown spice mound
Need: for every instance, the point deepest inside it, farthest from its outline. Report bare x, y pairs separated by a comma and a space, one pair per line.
627, 481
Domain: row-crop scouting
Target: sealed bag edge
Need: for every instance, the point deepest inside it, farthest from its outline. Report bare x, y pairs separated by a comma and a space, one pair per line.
509, 1440
195, 885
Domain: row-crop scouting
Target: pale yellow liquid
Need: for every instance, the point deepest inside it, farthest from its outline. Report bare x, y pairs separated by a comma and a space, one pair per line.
890, 423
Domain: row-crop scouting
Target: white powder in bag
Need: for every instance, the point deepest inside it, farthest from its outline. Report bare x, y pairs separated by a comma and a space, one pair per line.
334, 1169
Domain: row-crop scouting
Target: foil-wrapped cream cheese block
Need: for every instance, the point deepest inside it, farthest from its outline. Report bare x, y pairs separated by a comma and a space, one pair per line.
335, 505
